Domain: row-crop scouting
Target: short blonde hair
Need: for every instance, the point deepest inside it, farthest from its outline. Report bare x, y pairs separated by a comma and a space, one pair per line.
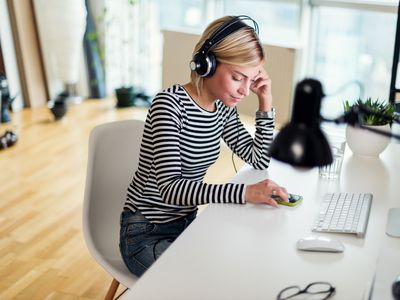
240, 48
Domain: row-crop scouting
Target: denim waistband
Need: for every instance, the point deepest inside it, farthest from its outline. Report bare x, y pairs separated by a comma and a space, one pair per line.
129, 216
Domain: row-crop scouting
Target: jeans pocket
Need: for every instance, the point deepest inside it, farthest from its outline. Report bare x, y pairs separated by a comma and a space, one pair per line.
136, 232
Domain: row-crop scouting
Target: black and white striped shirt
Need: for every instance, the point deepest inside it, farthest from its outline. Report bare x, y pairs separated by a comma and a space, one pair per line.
180, 141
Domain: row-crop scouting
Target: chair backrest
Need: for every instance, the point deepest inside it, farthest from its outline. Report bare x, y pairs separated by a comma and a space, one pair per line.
113, 158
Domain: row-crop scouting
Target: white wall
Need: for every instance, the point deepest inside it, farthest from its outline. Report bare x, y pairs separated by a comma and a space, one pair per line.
280, 64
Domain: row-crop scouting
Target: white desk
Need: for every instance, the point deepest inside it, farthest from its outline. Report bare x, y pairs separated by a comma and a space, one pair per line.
248, 251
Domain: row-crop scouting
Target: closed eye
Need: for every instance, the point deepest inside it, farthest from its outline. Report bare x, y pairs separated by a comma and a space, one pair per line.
236, 78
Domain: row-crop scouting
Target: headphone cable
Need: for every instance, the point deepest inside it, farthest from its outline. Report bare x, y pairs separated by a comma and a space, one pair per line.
237, 139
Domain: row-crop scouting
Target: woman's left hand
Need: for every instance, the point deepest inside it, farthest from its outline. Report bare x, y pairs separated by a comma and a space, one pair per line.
262, 87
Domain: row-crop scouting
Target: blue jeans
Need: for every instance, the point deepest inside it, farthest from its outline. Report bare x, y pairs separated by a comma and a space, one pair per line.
142, 242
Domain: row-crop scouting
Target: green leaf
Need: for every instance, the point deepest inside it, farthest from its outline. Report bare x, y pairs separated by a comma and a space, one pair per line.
378, 109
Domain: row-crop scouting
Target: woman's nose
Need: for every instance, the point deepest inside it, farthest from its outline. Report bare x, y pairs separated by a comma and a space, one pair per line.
245, 88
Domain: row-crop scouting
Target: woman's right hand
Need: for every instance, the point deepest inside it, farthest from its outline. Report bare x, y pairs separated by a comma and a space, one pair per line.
263, 192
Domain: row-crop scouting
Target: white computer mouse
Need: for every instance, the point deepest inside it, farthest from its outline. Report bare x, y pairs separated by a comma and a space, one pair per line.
320, 244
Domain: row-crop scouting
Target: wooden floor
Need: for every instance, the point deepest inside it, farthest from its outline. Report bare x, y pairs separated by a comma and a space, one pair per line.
42, 251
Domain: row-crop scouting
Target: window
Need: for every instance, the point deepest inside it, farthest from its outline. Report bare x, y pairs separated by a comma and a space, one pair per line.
354, 50
182, 14
278, 21
352, 42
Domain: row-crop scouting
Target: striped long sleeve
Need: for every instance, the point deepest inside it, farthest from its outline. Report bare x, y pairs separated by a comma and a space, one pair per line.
180, 141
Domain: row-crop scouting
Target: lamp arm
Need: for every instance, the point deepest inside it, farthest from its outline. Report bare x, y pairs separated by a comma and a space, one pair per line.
352, 118
381, 132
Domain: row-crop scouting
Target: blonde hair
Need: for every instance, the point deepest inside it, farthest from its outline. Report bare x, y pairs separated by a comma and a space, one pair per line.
241, 48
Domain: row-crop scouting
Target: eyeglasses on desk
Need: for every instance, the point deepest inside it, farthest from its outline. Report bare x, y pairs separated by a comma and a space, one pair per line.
314, 291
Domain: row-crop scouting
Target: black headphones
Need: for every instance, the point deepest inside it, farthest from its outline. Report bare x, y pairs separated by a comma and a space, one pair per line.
204, 61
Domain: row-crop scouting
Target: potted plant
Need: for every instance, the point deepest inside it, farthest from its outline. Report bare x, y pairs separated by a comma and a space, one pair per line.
379, 115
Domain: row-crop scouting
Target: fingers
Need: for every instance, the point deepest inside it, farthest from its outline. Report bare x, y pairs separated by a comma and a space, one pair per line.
263, 80
262, 87
264, 192
272, 202
275, 191
282, 194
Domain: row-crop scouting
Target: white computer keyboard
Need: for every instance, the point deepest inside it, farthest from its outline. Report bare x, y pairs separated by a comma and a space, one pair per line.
344, 213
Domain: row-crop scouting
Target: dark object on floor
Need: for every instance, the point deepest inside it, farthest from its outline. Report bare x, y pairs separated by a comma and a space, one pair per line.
125, 96
6, 100
132, 96
143, 99
59, 106
396, 288
8, 139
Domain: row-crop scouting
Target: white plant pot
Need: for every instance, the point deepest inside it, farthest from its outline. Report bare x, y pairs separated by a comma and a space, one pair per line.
367, 143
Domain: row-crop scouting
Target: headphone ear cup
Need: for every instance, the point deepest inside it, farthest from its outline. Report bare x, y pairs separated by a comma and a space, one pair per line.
199, 64
204, 65
212, 61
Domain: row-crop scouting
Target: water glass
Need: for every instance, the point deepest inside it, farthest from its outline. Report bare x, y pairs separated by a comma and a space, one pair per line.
332, 171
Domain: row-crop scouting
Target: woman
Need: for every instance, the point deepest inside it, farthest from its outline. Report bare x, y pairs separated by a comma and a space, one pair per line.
182, 136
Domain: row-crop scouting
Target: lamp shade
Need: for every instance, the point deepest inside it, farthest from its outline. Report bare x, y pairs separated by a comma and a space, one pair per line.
301, 142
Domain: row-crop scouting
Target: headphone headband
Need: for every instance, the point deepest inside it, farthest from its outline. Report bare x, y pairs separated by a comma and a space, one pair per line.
204, 61
225, 30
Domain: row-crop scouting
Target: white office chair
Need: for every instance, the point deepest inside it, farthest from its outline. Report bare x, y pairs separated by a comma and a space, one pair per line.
113, 157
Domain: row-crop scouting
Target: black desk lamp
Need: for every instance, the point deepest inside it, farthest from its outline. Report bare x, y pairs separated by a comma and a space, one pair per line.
301, 142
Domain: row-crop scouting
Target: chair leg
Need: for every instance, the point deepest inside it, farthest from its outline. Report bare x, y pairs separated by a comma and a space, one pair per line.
112, 290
